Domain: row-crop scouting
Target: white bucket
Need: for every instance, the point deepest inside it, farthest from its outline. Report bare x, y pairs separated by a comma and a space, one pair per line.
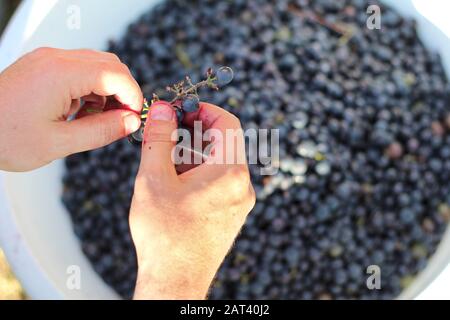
35, 229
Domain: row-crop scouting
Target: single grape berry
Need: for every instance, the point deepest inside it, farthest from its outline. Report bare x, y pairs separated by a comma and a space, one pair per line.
224, 76
190, 103
137, 136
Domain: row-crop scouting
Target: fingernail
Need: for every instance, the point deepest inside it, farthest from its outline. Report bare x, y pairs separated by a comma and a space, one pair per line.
162, 111
131, 122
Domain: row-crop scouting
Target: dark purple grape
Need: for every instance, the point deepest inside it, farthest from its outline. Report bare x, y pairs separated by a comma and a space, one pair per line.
224, 76
190, 103
137, 137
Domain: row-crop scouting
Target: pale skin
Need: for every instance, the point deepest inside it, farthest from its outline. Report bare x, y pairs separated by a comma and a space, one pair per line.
186, 217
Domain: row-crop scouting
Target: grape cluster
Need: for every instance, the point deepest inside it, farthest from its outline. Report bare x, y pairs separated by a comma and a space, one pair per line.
364, 122
186, 97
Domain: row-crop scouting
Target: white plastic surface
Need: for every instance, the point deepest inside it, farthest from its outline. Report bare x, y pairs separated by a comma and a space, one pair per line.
35, 229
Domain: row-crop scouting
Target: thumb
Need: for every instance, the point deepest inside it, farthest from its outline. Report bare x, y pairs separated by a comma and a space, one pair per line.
159, 141
100, 129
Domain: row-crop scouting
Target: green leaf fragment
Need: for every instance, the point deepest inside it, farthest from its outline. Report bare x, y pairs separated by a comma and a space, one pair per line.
406, 281
92, 110
183, 57
444, 211
419, 250
283, 34
232, 102
409, 79
336, 251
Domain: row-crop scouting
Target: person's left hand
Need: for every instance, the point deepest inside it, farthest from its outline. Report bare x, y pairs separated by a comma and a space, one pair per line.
43, 88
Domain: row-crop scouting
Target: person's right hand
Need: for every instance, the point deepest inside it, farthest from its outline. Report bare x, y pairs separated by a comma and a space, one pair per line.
184, 225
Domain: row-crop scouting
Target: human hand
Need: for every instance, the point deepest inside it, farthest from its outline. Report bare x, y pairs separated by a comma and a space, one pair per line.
43, 88
184, 225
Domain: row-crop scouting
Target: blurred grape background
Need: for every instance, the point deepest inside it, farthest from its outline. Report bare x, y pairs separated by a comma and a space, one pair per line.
10, 288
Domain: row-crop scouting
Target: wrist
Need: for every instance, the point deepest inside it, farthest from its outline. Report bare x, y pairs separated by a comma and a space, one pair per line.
173, 280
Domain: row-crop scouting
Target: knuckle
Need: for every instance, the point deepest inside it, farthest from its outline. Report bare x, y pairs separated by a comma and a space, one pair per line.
159, 137
119, 66
43, 58
103, 67
239, 181
242, 202
112, 56
251, 198
122, 67
240, 173
92, 53
156, 132
102, 70
58, 63
42, 51
86, 51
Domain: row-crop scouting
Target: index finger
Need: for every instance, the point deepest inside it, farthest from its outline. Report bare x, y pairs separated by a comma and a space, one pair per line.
227, 144
212, 117
104, 78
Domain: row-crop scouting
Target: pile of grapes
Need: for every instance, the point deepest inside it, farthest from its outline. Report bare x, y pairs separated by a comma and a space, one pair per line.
364, 122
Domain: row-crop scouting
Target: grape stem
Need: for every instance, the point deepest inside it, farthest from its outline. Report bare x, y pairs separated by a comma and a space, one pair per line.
341, 29
193, 89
